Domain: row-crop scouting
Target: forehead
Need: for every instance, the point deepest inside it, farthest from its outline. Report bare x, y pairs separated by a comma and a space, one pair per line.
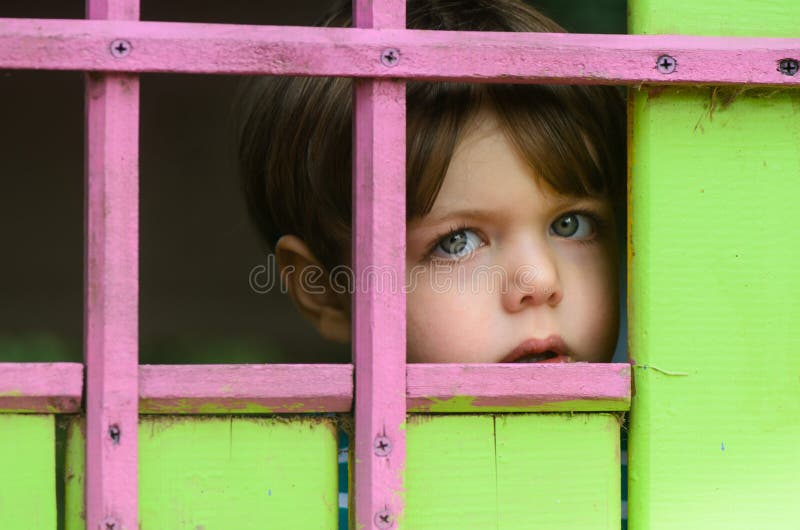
487, 178
485, 168
571, 144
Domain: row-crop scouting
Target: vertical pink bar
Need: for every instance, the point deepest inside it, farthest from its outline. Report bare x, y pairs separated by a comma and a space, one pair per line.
380, 14
379, 328
112, 285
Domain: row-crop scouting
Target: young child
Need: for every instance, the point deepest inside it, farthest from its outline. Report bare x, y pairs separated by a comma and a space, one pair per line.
515, 196
515, 204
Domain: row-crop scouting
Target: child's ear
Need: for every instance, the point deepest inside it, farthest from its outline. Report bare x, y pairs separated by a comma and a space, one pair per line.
309, 287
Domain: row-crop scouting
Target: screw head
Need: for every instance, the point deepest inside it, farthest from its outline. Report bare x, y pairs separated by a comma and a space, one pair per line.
666, 64
382, 446
109, 524
384, 520
120, 48
788, 66
114, 433
390, 57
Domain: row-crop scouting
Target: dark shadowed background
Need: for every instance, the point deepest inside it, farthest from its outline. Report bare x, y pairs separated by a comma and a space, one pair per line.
197, 246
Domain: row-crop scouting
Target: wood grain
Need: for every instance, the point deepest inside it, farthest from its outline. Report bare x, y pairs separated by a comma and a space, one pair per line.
348, 52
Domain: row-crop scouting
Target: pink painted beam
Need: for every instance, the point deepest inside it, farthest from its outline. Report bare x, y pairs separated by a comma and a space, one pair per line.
379, 311
245, 389
518, 387
466, 56
111, 293
55, 388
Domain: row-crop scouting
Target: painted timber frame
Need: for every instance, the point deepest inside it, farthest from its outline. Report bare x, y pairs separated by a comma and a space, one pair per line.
704, 313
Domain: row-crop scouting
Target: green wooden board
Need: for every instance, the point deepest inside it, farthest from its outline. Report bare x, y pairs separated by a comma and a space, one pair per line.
74, 473
27, 467
715, 180
222, 473
732, 18
513, 472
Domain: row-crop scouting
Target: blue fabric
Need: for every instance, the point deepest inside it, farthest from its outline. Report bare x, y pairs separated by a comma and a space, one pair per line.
344, 484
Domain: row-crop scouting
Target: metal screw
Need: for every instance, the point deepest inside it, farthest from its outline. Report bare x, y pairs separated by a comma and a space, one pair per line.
383, 520
788, 66
114, 433
666, 64
120, 48
390, 57
110, 524
382, 446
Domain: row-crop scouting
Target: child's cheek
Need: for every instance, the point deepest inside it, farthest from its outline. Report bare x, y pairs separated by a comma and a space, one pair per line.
443, 318
600, 309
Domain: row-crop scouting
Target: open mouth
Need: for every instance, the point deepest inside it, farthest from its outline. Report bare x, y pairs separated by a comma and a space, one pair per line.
543, 357
551, 349
537, 357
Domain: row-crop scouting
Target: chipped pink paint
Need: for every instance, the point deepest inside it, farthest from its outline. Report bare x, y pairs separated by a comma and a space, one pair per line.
297, 388
498, 386
468, 56
112, 289
41, 387
379, 330
274, 388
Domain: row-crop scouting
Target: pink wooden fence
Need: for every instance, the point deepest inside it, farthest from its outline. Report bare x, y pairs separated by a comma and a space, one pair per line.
116, 46
351, 52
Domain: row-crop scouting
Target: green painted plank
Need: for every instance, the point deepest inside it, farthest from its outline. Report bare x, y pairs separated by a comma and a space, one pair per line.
450, 473
513, 472
74, 473
732, 18
223, 473
715, 176
27, 461
558, 471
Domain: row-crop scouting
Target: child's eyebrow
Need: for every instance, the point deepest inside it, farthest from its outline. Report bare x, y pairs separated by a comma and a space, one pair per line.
477, 214
468, 213
578, 201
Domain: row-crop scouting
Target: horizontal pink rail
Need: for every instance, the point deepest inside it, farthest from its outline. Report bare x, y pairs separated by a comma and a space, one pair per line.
207, 389
430, 388
491, 57
41, 387
518, 387
277, 388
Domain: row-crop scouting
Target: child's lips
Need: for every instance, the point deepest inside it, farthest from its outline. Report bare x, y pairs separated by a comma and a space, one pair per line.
548, 350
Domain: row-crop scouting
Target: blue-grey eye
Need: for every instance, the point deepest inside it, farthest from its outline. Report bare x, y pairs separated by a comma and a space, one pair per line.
458, 244
573, 226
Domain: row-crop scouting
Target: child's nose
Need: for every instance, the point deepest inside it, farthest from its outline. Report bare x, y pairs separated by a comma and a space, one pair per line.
534, 282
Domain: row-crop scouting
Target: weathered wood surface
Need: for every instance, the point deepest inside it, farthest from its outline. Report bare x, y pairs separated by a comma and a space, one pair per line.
379, 311
111, 287
245, 389
714, 286
279, 389
513, 472
28, 471
225, 473
518, 387
41, 387
468, 56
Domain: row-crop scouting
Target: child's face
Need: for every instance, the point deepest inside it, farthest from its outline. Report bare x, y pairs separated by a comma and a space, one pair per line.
504, 269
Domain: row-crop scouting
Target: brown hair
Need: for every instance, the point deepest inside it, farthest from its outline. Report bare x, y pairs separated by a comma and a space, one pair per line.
295, 142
